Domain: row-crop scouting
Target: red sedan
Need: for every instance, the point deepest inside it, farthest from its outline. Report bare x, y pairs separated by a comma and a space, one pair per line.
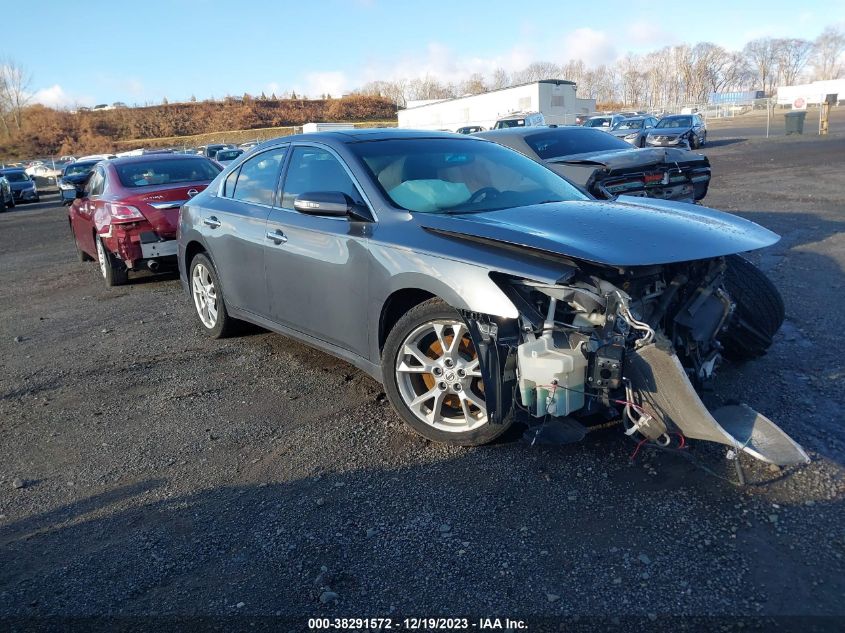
127, 216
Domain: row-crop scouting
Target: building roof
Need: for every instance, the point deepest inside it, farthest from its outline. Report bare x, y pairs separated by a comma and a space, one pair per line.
556, 82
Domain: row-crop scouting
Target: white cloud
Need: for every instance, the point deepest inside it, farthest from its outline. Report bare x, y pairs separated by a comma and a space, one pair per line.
594, 47
334, 83
649, 35
56, 97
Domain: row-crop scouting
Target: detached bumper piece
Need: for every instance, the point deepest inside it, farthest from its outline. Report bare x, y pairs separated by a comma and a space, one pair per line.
661, 387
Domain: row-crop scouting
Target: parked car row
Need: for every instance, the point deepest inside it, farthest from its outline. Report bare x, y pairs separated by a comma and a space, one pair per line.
473, 281
642, 130
21, 184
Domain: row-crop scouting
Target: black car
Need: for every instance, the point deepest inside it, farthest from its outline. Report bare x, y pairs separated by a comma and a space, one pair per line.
7, 199
607, 166
23, 186
73, 179
678, 130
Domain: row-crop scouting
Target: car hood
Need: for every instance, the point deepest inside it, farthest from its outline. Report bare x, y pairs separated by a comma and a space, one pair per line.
621, 133
627, 232
20, 186
627, 158
671, 131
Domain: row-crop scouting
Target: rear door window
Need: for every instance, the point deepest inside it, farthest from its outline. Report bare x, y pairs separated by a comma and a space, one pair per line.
258, 177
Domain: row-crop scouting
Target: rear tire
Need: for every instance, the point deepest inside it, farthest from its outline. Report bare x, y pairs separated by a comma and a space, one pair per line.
112, 269
455, 412
759, 310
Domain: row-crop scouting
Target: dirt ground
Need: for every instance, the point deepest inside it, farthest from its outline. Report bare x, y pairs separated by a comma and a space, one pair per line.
151, 477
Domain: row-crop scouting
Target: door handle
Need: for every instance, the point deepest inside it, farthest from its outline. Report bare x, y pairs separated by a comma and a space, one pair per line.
277, 237
211, 222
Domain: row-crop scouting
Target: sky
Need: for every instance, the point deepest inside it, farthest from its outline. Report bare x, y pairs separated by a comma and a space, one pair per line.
142, 52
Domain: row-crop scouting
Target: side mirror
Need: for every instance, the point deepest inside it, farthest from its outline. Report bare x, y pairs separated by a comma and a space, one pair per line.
328, 203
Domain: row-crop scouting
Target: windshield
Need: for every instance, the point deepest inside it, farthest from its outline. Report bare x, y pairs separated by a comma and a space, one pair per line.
166, 172
16, 176
228, 154
77, 169
576, 140
629, 124
501, 125
603, 121
675, 121
459, 176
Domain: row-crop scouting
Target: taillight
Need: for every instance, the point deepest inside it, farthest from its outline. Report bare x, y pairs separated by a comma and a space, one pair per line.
124, 212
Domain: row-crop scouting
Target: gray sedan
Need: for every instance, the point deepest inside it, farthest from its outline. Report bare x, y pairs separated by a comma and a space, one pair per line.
476, 284
633, 130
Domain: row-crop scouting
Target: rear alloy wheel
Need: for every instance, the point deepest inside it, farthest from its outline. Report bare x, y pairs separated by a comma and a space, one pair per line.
112, 269
208, 300
433, 377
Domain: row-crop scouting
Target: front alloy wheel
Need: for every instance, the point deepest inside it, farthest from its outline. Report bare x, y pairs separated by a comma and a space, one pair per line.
433, 377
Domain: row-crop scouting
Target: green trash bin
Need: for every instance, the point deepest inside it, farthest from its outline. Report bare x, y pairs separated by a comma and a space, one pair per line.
795, 121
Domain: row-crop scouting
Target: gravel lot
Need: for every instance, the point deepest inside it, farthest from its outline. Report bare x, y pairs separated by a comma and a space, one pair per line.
148, 471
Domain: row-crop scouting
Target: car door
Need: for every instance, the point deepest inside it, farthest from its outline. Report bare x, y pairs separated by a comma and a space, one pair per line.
317, 267
233, 224
82, 217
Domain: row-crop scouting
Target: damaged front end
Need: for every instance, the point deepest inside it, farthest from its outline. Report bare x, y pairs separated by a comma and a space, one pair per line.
668, 174
636, 343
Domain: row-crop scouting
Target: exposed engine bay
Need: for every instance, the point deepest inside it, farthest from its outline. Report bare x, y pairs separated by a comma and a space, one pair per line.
637, 342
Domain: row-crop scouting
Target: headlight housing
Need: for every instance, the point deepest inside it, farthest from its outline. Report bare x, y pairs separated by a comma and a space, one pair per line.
66, 186
631, 137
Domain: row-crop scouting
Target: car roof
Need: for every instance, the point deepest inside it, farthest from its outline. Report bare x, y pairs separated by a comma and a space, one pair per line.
7, 170
83, 162
143, 158
364, 134
528, 131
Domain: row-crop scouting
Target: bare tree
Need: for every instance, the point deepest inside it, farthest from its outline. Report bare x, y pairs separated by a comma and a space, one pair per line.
827, 54
14, 94
572, 70
791, 55
762, 56
428, 87
473, 86
536, 71
500, 79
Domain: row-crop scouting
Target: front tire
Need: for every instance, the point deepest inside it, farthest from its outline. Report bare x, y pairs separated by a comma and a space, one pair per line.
432, 376
112, 269
208, 299
759, 310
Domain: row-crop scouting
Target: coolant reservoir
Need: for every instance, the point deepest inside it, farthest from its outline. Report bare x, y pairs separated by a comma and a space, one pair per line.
550, 377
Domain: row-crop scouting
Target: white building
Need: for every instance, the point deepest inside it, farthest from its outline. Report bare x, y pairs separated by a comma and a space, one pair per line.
554, 98
813, 93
